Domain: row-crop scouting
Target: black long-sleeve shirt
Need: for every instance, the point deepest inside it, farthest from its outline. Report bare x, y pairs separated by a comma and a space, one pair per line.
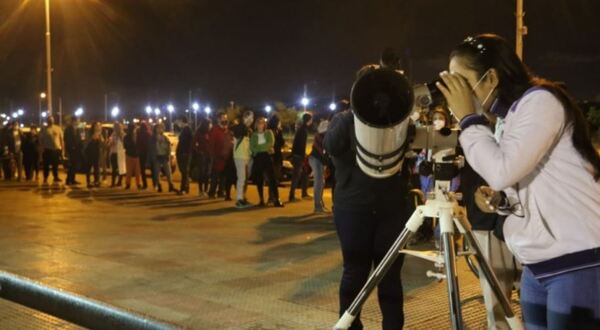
299, 146
354, 189
186, 141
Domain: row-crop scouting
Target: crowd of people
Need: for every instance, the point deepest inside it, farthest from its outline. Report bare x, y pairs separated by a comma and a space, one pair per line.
218, 154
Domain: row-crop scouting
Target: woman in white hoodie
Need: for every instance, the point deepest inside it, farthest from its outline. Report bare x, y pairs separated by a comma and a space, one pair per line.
548, 173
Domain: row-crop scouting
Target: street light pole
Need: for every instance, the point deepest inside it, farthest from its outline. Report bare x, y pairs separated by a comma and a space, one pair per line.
48, 58
521, 29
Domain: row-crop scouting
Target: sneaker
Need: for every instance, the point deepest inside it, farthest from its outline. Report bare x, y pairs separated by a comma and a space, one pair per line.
240, 204
307, 197
277, 203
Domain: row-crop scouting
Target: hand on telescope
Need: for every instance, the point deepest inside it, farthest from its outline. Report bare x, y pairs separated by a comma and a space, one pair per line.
458, 94
487, 199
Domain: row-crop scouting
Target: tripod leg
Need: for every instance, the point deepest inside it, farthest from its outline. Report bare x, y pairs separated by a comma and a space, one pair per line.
489, 274
447, 230
411, 227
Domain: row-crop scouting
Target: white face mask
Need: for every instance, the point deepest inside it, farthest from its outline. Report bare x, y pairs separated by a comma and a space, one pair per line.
438, 124
479, 105
415, 116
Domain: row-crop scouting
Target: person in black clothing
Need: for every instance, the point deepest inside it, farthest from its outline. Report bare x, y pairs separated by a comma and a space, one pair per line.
274, 124
93, 152
73, 149
31, 154
299, 155
184, 154
132, 157
369, 215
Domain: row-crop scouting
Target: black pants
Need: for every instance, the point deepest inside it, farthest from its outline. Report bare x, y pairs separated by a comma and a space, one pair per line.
261, 168
30, 163
299, 177
114, 169
74, 165
217, 183
183, 162
204, 164
92, 163
7, 167
50, 157
365, 238
143, 167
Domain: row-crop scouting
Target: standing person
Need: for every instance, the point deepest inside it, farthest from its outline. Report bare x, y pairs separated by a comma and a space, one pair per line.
160, 151
298, 156
274, 125
368, 219
92, 154
118, 164
549, 174
132, 157
7, 153
74, 149
52, 144
217, 141
142, 141
241, 157
31, 153
202, 156
261, 146
317, 163
184, 154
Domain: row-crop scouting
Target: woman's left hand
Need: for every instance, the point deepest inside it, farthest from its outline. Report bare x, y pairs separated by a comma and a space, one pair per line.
458, 94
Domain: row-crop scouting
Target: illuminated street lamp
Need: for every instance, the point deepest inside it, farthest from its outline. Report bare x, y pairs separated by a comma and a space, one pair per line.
15, 115
115, 112
20, 112
305, 102
207, 111
268, 109
44, 114
148, 110
332, 106
171, 109
156, 112
42, 96
79, 112
195, 107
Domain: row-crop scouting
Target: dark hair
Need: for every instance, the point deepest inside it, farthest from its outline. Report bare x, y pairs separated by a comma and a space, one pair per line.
183, 119
203, 126
490, 51
273, 122
221, 114
306, 118
131, 129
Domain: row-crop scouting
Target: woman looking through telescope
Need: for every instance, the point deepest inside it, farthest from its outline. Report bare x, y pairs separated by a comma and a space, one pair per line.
548, 170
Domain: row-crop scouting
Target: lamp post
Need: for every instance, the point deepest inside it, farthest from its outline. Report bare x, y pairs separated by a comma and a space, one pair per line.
42, 96
268, 109
195, 108
171, 109
521, 29
79, 112
48, 58
148, 111
207, 111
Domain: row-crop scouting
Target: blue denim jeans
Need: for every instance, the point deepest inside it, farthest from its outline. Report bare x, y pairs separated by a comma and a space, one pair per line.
565, 301
319, 182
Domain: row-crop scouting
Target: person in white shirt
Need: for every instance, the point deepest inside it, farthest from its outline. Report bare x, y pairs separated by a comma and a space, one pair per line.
548, 173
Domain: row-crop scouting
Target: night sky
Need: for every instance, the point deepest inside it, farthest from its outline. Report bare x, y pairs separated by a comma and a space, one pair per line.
259, 51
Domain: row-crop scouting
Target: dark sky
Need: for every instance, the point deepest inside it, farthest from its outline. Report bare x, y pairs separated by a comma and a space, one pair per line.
258, 51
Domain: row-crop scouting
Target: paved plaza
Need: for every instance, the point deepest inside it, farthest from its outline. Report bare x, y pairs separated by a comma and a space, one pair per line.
196, 263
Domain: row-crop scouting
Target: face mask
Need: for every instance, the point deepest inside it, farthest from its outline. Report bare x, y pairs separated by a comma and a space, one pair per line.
415, 116
438, 124
479, 105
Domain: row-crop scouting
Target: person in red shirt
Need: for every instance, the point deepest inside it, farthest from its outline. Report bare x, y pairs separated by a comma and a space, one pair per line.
220, 149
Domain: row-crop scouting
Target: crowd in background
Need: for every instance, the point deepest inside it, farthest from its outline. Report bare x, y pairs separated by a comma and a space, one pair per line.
218, 154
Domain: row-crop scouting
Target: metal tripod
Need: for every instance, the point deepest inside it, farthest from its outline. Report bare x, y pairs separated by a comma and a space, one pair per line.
445, 207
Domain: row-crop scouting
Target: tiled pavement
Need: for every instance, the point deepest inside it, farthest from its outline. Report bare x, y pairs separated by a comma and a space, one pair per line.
199, 264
